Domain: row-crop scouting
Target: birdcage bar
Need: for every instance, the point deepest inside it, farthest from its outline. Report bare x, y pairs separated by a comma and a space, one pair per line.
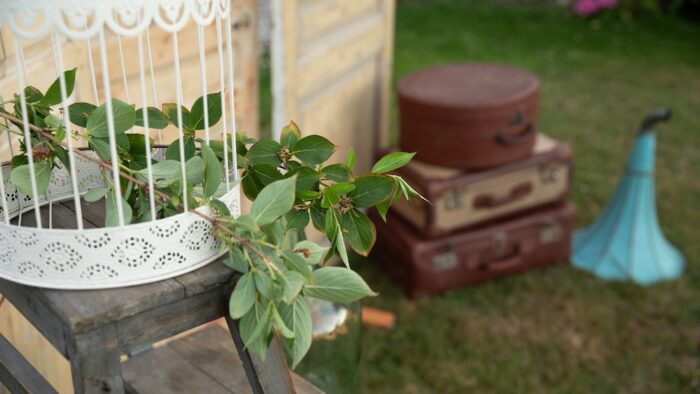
229, 49
153, 78
178, 89
58, 61
146, 130
110, 130
222, 83
22, 79
203, 80
123, 66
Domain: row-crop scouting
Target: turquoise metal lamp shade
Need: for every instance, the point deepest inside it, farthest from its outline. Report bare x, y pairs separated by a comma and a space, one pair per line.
626, 242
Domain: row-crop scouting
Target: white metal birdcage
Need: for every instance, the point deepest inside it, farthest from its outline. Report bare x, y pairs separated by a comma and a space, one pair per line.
146, 52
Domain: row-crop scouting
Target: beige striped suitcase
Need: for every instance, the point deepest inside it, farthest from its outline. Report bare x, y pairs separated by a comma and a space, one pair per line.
462, 199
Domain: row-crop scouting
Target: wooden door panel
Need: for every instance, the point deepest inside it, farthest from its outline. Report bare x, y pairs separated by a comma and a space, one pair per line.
333, 65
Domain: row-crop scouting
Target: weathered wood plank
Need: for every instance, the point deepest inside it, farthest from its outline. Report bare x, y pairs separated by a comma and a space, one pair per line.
17, 374
164, 370
95, 362
58, 216
169, 319
208, 353
36, 308
88, 309
269, 377
212, 275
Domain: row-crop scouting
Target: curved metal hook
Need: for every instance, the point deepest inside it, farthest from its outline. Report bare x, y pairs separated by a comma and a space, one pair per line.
657, 115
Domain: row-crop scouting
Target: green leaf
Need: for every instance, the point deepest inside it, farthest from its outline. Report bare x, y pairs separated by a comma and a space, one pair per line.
263, 283
335, 235
170, 109
290, 135
265, 151
79, 113
371, 190
307, 179
213, 172
336, 173
318, 215
19, 160
123, 114
173, 150
219, 208
297, 219
112, 217
195, 170
296, 262
213, 111
243, 296
94, 195
255, 326
21, 177
156, 118
236, 260
266, 174
336, 284
53, 94
350, 162
408, 191
313, 149
294, 282
331, 194
247, 223
359, 230
281, 326
274, 200
392, 161
298, 318
311, 252
165, 173
101, 147
251, 185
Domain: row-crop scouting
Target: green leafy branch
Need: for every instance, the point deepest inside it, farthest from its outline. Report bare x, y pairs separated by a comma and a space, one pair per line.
289, 181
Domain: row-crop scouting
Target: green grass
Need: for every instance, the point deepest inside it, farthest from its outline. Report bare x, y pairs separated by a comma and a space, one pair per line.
560, 329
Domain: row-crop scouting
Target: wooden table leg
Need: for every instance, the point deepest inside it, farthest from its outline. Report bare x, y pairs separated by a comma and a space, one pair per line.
269, 377
95, 363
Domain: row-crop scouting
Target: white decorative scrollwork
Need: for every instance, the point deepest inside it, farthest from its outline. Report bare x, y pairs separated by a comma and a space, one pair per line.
83, 19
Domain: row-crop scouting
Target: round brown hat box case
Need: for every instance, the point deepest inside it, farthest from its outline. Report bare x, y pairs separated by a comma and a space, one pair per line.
469, 116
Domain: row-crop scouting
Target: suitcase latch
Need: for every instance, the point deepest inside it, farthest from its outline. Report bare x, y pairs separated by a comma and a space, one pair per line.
550, 233
499, 244
453, 201
518, 117
444, 261
549, 174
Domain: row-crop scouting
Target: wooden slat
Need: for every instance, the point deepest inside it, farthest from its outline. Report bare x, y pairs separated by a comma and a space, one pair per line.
333, 57
320, 17
204, 362
17, 374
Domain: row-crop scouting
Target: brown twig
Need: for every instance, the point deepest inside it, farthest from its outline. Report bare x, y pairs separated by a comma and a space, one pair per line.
107, 166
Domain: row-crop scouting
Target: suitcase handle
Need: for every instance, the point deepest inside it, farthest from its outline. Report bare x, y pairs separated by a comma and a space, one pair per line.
511, 261
491, 201
520, 138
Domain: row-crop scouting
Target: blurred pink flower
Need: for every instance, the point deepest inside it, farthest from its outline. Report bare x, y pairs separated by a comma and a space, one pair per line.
590, 7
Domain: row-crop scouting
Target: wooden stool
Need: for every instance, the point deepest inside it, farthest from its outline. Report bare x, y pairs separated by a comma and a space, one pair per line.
94, 328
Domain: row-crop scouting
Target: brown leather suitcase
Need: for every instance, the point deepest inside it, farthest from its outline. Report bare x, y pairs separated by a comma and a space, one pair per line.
428, 266
469, 116
460, 199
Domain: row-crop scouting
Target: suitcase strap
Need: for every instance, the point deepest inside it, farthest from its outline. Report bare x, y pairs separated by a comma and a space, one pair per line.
488, 201
502, 254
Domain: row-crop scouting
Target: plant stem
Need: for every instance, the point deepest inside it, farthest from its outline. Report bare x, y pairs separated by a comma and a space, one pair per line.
107, 166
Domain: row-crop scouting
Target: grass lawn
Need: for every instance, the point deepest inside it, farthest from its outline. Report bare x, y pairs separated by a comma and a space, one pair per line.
560, 329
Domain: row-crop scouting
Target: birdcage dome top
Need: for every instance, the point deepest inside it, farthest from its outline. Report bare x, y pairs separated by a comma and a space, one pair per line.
81, 19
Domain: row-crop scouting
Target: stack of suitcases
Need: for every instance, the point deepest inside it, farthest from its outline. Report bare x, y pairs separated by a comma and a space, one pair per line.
497, 186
